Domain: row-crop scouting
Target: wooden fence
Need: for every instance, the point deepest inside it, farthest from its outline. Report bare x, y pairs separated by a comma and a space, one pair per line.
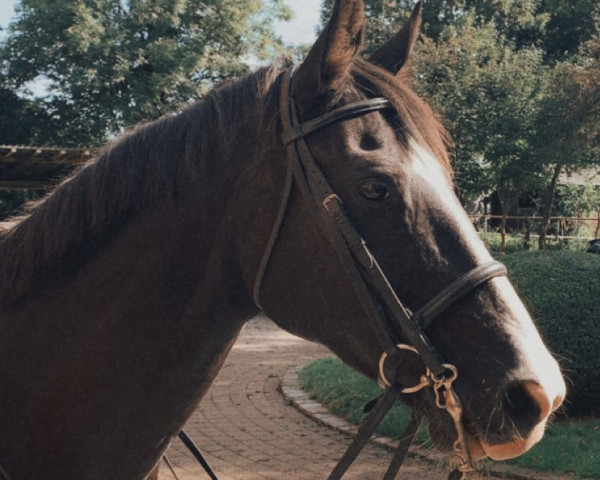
35, 168
561, 226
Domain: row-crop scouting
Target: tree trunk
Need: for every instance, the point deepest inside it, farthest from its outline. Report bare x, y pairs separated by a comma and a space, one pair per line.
547, 201
527, 239
504, 196
502, 246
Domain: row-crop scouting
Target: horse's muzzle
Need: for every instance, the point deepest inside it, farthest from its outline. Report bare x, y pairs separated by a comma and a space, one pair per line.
516, 425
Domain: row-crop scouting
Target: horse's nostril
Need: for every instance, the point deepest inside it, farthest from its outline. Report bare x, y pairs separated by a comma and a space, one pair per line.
526, 404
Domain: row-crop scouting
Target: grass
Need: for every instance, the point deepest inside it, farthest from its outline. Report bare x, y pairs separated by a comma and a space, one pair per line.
568, 446
560, 288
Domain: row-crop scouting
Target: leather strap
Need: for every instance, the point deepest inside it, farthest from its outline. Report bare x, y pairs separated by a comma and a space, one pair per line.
274, 235
385, 402
316, 189
341, 113
458, 289
195, 451
400, 317
403, 445
367, 428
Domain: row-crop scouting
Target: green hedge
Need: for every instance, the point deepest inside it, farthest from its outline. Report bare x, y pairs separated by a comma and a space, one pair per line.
562, 291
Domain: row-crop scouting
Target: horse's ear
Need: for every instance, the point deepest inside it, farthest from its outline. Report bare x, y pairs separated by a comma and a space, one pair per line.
394, 54
328, 61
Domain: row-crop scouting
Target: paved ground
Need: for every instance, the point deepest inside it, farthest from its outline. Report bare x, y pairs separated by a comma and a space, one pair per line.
248, 432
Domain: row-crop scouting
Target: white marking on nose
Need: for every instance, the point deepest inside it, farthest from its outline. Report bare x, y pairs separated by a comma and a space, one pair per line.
536, 358
538, 368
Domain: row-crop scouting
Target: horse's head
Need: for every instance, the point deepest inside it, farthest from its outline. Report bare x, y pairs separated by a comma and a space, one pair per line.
390, 169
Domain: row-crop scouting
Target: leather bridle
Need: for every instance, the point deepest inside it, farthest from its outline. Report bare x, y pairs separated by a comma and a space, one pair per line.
392, 321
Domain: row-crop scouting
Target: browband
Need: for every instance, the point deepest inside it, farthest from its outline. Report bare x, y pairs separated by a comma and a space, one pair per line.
341, 113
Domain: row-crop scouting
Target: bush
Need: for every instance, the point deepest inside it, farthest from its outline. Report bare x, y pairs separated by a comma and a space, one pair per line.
561, 289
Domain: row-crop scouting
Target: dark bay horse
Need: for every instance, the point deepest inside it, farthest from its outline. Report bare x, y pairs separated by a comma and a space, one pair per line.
122, 292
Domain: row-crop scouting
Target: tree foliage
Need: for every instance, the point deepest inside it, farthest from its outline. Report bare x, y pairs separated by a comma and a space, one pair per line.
521, 21
568, 136
488, 95
108, 64
22, 120
570, 25
519, 104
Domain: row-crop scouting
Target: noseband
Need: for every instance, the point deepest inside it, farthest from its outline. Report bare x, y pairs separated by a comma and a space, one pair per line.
391, 320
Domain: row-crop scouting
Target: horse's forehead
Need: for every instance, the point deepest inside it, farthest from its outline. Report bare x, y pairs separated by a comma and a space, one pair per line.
366, 133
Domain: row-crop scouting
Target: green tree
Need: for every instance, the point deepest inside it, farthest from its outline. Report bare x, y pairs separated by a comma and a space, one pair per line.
579, 201
568, 134
22, 121
110, 63
570, 25
520, 21
448, 74
489, 96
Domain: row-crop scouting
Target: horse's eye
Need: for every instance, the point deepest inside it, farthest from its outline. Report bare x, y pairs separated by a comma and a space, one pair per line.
373, 190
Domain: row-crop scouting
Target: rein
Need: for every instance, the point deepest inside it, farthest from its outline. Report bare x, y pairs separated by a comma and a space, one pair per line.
391, 320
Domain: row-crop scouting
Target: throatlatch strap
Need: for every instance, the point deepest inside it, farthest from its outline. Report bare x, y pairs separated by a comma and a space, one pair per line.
272, 240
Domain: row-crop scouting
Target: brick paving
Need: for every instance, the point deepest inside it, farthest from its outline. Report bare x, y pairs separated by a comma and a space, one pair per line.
247, 430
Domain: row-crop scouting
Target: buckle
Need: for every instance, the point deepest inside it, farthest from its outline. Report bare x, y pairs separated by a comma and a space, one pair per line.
330, 198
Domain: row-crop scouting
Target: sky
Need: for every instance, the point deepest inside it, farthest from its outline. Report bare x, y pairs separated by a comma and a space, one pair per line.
300, 30
6, 13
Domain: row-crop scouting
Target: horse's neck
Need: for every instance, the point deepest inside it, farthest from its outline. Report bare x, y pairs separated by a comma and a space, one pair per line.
110, 363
